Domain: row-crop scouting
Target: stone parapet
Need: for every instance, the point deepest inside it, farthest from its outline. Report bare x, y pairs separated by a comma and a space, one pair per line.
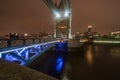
13, 71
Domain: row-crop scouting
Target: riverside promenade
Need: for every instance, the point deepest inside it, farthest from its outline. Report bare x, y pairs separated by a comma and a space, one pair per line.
13, 71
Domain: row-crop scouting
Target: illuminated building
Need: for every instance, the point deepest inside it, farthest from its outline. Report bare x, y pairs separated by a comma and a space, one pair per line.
89, 28
115, 34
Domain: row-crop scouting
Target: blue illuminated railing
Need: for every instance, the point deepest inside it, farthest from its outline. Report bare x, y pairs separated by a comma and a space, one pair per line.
25, 55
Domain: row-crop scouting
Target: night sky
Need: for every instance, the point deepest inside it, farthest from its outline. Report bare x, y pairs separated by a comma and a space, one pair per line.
33, 16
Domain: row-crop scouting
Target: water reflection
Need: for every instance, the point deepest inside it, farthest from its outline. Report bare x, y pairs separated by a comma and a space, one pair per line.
89, 55
66, 75
59, 64
115, 52
52, 62
98, 62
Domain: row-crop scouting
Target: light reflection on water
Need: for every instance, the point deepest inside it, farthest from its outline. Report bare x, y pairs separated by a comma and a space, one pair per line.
89, 55
96, 62
59, 64
92, 63
115, 52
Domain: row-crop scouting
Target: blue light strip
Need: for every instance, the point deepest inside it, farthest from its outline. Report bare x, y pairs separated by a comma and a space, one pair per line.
20, 51
0, 55
27, 55
59, 64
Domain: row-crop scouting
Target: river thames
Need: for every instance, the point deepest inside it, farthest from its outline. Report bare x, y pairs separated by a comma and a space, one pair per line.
94, 62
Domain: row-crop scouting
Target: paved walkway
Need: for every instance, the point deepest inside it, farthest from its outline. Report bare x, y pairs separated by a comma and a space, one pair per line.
13, 71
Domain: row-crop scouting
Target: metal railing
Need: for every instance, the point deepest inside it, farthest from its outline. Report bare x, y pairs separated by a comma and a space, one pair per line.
4, 43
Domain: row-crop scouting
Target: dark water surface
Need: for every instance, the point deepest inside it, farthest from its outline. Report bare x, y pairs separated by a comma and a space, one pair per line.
50, 63
94, 63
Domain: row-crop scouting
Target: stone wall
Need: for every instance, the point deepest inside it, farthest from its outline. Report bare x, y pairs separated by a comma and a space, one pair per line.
3, 44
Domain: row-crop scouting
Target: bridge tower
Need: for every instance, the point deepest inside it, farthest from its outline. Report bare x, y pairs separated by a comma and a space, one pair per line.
63, 17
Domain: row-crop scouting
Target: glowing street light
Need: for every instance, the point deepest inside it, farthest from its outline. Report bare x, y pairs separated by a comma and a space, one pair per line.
78, 32
25, 34
58, 15
66, 14
89, 26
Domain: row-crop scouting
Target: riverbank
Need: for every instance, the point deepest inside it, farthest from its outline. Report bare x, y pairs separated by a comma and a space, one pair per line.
109, 42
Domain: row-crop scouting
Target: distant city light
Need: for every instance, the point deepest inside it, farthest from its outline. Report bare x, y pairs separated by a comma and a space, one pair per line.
62, 27
25, 34
101, 41
89, 26
16, 34
78, 32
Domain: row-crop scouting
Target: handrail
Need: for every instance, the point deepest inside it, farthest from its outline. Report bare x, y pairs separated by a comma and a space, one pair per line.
5, 43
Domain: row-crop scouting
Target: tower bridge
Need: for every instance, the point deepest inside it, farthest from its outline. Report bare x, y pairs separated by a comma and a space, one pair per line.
25, 51
61, 10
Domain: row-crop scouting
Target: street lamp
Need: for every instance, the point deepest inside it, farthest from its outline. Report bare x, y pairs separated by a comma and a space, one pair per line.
66, 14
89, 26
57, 15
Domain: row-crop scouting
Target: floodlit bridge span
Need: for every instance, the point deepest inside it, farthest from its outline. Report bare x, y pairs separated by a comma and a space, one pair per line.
23, 55
61, 10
